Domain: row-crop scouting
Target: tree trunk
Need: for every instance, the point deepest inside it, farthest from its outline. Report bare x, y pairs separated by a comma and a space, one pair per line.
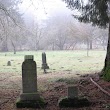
106, 69
5, 47
103, 41
53, 46
87, 47
14, 51
14, 48
90, 44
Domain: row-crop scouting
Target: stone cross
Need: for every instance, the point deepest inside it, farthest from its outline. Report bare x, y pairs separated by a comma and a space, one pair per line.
72, 92
44, 61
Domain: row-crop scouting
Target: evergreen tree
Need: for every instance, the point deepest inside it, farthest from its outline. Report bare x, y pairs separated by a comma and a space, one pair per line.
96, 12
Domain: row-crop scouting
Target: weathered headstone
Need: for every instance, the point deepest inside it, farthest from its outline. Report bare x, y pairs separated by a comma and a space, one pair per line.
73, 100
9, 63
29, 96
29, 77
72, 92
44, 61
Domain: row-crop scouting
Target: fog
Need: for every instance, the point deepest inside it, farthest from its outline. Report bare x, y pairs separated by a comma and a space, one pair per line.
39, 10
48, 25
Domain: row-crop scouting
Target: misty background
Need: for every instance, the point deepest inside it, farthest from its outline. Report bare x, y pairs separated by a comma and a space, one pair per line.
48, 25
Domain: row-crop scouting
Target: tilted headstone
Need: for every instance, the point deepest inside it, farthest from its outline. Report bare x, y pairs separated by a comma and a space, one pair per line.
44, 61
29, 84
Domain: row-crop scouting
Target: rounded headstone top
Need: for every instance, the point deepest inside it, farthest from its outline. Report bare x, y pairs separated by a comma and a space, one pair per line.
43, 52
28, 57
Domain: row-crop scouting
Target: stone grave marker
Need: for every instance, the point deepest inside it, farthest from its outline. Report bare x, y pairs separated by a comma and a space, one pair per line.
72, 99
72, 92
44, 61
29, 76
29, 97
9, 63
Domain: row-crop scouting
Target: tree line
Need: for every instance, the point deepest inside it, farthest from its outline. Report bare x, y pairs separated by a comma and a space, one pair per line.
57, 34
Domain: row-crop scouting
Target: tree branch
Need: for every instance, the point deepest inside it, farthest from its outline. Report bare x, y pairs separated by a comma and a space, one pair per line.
104, 91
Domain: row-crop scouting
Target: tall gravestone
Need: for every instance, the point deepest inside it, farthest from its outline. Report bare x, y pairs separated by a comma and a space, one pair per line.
29, 96
44, 61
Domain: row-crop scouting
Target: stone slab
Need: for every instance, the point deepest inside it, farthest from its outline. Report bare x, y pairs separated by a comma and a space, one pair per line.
75, 102
40, 103
29, 76
29, 57
29, 96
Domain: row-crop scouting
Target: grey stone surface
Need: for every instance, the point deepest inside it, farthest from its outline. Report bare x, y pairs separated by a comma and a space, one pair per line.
9, 63
44, 58
29, 57
44, 61
29, 76
29, 96
72, 92
29, 79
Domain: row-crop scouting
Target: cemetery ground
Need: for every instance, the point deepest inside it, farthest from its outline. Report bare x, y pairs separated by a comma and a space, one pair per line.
66, 68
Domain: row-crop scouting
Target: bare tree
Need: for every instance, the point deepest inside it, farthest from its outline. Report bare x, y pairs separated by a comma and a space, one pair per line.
9, 15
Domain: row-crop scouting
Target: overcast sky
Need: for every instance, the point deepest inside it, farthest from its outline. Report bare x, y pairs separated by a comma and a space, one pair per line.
43, 9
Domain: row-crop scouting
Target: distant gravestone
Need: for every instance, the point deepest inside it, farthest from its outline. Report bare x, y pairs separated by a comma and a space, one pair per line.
44, 61
29, 96
9, 63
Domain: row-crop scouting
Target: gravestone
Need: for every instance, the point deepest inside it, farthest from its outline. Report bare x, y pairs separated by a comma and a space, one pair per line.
72, 92
44, 61
29, 97
9, 63
73, 100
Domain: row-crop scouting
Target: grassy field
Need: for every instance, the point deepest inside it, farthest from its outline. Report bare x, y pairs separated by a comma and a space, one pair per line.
65, 69
65, 66
58, 61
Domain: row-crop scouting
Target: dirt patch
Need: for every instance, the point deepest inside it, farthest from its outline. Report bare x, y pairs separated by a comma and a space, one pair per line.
55, 90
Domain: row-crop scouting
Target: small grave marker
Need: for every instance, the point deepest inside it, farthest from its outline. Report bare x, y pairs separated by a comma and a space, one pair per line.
72, 92
73, 100
9, 63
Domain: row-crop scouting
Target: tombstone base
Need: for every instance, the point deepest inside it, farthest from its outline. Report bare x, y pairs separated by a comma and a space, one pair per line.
29, 96
73, 102
39, 103
45, 66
